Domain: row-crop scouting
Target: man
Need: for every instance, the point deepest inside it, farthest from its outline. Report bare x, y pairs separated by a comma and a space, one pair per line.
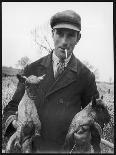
63, 92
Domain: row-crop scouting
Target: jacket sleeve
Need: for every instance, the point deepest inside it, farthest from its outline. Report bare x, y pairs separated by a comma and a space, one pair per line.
90, 90
11, 109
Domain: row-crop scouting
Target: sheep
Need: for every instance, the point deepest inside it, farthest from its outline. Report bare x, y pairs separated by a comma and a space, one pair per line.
29, 124
97, 114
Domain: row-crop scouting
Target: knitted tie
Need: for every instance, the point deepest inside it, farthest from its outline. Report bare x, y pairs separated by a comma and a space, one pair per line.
60, 69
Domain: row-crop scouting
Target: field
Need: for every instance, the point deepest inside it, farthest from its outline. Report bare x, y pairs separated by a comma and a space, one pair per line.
107, 90
108, 132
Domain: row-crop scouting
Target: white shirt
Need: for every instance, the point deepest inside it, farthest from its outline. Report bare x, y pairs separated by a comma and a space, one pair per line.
56, 61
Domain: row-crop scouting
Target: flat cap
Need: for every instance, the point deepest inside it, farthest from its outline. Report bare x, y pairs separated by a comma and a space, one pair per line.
66, 19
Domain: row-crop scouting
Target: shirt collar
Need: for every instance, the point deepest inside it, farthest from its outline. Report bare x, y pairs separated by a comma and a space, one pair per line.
55, 59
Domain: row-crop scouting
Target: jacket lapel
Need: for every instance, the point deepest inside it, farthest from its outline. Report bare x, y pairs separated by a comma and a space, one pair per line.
67, 77
48, 69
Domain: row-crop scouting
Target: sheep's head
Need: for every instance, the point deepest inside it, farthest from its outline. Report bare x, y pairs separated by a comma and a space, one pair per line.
32, 79
102, 114
31, 84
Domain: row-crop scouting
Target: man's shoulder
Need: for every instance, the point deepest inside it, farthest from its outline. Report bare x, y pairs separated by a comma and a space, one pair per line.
38, 62
85, 73
82, 67
36, 66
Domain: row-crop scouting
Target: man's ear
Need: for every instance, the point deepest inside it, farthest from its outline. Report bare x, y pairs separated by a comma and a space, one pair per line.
52, 33
78, 37
21, 78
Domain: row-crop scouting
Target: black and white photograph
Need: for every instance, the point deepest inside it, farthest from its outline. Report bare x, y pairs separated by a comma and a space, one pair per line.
57, 77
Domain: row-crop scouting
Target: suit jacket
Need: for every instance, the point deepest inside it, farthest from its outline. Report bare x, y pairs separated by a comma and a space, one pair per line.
58, 100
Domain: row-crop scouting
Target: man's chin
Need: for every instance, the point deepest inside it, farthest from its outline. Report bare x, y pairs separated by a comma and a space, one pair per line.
61, 54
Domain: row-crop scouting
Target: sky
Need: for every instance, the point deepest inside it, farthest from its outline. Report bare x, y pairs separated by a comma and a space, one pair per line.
95, 45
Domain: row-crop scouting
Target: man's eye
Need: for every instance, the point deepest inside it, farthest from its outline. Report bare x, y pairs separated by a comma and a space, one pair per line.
71, 34
60, 33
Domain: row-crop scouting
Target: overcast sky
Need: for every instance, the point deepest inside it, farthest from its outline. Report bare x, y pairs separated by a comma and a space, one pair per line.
95, 46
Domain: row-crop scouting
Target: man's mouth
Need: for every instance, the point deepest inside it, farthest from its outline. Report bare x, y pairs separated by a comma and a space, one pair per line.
64, 51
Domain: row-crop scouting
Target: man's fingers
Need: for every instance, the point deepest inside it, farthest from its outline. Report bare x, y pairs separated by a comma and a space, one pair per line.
80, 139
83, 135
16, 115
15, 124
85, 127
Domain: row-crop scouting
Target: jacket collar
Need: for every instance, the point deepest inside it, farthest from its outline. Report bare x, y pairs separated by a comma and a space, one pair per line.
73, 64
46, 62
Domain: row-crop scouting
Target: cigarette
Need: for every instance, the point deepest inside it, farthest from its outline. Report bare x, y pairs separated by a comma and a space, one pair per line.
66, 53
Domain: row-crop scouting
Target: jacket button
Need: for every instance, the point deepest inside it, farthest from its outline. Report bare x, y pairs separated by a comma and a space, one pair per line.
61, 100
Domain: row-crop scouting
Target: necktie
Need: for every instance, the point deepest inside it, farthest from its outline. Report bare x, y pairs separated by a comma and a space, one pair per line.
60, 69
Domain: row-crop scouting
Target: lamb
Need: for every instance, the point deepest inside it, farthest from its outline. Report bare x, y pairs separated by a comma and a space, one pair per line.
29, 124
96, 112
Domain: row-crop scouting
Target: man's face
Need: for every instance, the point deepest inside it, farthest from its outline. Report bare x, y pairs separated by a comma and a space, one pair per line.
64, 39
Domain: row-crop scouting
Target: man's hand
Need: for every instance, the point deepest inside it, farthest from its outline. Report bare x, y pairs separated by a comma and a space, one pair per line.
83, 135
15, 122
82, 139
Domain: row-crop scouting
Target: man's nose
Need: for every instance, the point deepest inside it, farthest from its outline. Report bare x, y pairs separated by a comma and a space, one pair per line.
64, 40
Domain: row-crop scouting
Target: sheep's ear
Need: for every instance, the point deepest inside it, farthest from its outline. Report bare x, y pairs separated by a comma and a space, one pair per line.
93, 101
21, 79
